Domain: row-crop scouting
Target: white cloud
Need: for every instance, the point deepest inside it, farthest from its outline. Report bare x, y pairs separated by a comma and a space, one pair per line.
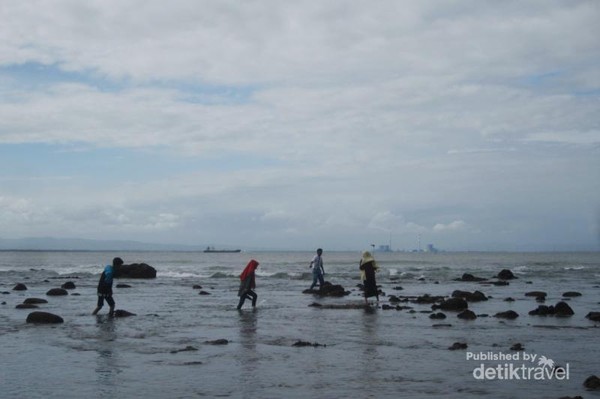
457, 225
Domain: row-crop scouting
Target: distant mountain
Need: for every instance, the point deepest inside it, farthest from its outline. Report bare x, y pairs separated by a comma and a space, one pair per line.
80, 244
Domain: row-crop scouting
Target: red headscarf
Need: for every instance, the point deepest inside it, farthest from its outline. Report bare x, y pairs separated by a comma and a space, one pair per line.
250, 268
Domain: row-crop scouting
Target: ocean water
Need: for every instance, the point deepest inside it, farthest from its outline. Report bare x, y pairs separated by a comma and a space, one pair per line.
164, 351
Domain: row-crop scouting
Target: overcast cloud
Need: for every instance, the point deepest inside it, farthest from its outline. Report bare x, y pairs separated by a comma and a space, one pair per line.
471, 125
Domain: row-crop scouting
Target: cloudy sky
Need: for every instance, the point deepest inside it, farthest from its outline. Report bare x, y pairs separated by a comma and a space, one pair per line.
471, 125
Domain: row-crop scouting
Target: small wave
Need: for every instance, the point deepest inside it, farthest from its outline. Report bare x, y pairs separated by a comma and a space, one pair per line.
574, 268
180, 274
223, 275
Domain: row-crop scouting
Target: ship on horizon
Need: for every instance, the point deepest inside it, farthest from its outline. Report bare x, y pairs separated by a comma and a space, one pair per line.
214, 250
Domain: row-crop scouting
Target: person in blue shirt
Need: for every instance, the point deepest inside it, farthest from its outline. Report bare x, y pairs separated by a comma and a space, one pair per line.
105, 287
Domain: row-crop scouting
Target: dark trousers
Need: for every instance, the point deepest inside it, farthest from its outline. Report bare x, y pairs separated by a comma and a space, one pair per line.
250, 295
109, 300
319, 277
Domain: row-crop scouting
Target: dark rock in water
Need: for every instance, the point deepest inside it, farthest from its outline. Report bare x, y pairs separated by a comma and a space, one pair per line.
562, 309
426, 299
483, 315
571, 294
186, 349
517, 347
3, 303
509, 299
571, 397
592, 382
543, 310
398, 288
20, 287
387, 307
470, 277
197, 287
35, 300
593, 316
467, 315
26, 306
204, 293
123, 286
315, 305
476, 296
393, 299
69, 285
221, 341
44, 318
135, 270
301, 344
540, 299
441, 325
437, 316
511, 315
5, 293
457, 346
57, 292
455, 304
328, 289
506, 274
123, 313
536, 294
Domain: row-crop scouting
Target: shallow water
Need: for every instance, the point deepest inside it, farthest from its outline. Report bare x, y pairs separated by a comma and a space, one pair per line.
367, 353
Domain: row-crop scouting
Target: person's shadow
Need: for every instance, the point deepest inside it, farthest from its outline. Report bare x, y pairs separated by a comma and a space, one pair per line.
248, 356
107, 362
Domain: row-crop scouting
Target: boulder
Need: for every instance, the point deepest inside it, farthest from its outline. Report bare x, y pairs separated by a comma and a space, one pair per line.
536, 294
510, 315
592, 382
455, 304
69, 285
123, 313
571, 294
457, 346
20, 287
470, 277
35, 300
300, 344
437, 316
517, 347
476, 296
121, 285
204, 293
135, 270
393, 299
509, 299
197, 287
221, 341
562, 309
593, 316
328, 289
500, 283
26, 306
43, 318
543, 310
425, 299
506, 274
57, 292
467, 315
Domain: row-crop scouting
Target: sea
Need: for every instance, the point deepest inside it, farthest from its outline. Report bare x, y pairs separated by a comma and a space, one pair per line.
191, 342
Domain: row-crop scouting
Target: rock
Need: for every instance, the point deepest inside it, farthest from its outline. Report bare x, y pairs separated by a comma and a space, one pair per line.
57, 292
328, 289
186, 349
469, 277
457, 346
536, 294
571, 397
509, 299
562, 309
441, 325
204, 293
500, 283
593, 316
393, 299
476, 296
510, 314
135, 270
387, 307
517, 347
35, 300
455, 304
123, 313
301, 344
543, 310
69, 285
467, 315
571, 294
123, 286
437, 316
506, 274
592, 382
425, 299
197, 287
20, 287
44, 318
398, 288
221, 341
315, 305
26, 306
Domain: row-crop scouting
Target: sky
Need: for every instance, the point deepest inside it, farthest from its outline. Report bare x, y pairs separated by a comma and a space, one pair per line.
469, 125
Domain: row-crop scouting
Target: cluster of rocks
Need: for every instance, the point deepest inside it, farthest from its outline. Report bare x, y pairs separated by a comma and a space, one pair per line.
328, 289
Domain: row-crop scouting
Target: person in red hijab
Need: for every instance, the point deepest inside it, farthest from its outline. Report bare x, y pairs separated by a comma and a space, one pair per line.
247, 283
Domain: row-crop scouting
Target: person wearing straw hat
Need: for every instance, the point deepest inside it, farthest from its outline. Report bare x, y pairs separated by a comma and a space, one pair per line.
368, 267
